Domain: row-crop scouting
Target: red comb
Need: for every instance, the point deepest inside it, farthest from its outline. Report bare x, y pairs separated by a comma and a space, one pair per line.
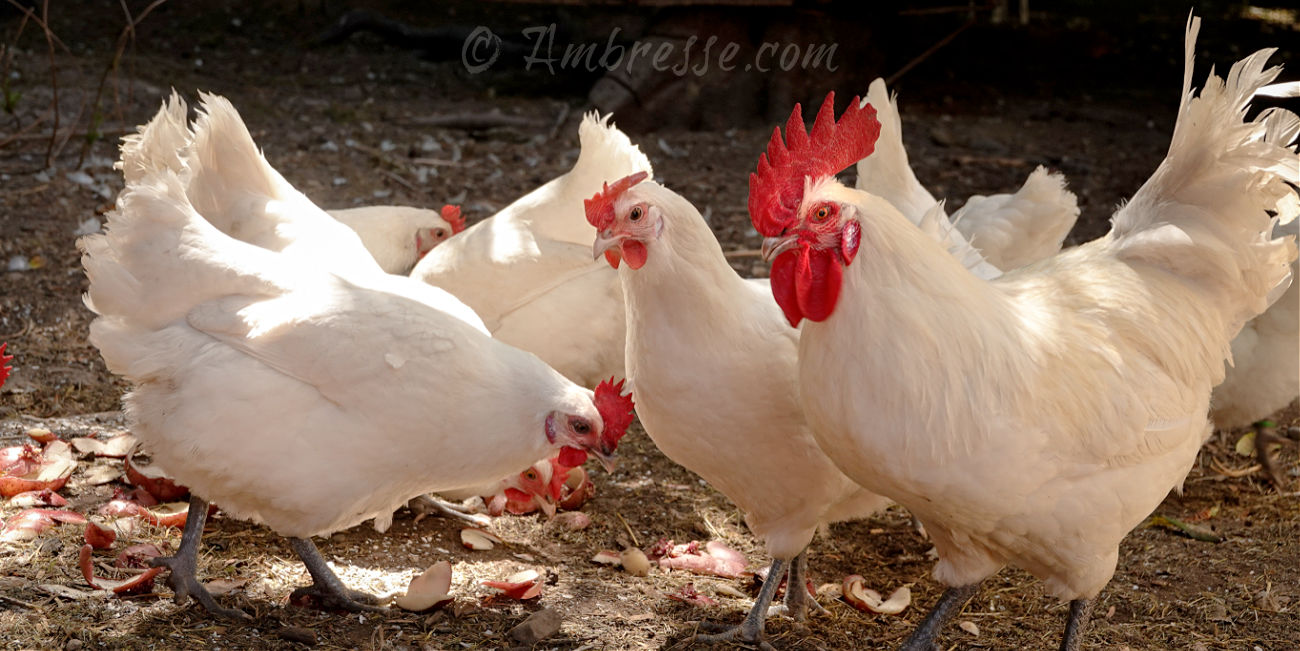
776, 190
615, 410
452, 215
4, 359
600, 208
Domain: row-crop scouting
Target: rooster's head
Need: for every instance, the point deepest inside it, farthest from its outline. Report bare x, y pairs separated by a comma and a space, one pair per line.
808, 237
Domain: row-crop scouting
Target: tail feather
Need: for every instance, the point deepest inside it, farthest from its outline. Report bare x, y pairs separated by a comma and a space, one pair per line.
1013, 230
161, 144
887, 173
232, 182
155, 240
1204, 213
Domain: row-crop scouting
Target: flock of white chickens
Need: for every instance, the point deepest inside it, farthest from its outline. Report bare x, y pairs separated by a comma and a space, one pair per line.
1029, 406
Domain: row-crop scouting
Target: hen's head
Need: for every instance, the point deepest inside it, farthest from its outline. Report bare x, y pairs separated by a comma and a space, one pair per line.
533, 487
623, 223
4, 360
599, 433
809, 235
438, 230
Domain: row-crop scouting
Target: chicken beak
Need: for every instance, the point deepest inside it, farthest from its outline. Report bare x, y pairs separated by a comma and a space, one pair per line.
545, 504
604, 243
774, 246
607, 460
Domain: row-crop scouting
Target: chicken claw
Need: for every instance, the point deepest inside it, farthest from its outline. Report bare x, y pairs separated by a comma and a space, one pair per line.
184, 563
1266, 437
750, 630
326, 590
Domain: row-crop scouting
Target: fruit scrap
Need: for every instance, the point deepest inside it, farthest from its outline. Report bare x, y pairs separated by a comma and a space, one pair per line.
99, 537
869, 601
153, 480
688, 594
717, 559
24, 468
520, 585
138, 583
163, 515
26, 525
432, 589
117, 447
478, 539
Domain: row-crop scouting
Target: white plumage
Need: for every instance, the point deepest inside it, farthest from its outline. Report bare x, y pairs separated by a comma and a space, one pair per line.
1008, 230
527, 271
1035, 419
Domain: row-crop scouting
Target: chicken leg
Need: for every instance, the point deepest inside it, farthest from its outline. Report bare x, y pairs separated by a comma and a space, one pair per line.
922, 639
750, 631
797, 600
182, 566
1080, 613
326, 589
1265, 437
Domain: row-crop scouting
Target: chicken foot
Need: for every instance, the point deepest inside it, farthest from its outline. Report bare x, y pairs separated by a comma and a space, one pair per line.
1266, 437
326, 589
183, 565
1080, 614
750, 630
923, 638
426, 504
797, 600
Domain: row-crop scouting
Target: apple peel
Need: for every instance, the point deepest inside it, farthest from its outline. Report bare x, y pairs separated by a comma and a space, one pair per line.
99, 537
138, 583
869, 601
117, 447
520, 585
153, 480
432, 589
478, 539
26, 469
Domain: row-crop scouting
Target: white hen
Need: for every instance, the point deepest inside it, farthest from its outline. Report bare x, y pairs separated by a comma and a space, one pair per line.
689, 315
299, 399
398, 236
527, 271
232, 169
1009, 230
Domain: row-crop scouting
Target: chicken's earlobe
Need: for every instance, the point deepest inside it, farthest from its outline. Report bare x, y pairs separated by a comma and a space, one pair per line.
850, 240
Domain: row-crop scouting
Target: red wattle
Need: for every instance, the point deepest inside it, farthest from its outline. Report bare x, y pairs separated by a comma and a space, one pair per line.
572, 457
635, 253
612, 256
818, 284
782, 278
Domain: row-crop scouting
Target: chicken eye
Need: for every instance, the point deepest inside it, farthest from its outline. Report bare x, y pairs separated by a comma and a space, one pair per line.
580, 426
822, 213
635, 215
439, 233
531, 475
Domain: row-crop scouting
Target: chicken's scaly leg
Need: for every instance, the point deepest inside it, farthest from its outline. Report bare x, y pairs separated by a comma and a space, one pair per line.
326, 588
797, 600
182, 566
922, 639
750, 631
1080, 613
426, 504
1266, 437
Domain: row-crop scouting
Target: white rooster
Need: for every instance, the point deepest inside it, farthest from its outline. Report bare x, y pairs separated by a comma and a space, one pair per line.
300, 399
1035, 419
1008, 230
690, 315
527, 271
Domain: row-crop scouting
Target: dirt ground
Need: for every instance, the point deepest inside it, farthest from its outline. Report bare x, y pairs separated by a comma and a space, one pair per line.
344, 123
